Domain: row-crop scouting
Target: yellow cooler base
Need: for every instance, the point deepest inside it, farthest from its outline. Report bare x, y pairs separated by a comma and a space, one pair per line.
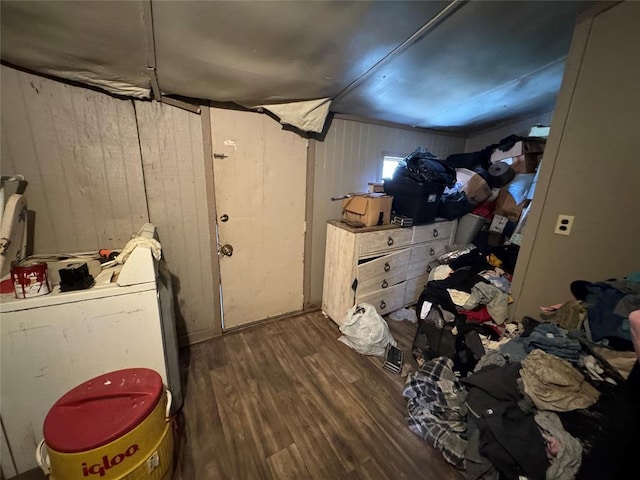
145, 453
157, 466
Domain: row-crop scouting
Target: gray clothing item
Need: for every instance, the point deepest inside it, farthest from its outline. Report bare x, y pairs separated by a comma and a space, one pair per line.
624, 286
567, 461
496, 300
514, 350
627, 305
492, 357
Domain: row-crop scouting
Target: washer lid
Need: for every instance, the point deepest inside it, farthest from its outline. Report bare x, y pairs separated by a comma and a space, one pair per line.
102, 409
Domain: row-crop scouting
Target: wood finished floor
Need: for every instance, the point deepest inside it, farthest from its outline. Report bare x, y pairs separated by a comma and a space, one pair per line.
286, 400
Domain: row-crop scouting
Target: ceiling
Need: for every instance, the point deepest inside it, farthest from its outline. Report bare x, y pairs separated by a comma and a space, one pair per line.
459, 66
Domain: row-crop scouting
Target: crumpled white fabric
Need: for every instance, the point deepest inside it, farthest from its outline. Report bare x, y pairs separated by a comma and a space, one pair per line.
440, 272
404, 314
153, 244
307, 115
592, 366
458, 297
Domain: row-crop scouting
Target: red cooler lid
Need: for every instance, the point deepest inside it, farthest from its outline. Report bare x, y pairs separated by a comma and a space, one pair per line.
102, 409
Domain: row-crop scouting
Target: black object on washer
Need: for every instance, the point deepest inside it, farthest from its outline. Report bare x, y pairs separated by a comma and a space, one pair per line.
75, 277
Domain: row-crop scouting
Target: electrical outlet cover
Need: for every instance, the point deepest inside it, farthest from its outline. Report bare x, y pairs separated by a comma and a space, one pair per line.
564, 224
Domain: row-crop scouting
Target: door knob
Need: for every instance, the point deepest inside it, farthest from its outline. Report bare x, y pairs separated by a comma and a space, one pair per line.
226, 250
224, 217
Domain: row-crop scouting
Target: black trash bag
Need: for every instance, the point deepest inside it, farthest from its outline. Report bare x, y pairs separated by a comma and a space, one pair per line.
422, 166
480, 158
454, 205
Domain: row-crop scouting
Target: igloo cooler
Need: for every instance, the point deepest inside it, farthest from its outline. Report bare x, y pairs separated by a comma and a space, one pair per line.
114, 426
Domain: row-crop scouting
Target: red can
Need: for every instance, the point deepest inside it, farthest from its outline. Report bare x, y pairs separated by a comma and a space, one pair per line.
30, 280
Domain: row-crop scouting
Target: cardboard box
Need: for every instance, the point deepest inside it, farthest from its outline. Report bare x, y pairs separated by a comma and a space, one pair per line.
472, 184
376, 187
506, 206
525, 163
531, 145
368, 209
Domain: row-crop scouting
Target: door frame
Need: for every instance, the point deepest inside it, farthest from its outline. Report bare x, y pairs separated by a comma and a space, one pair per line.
207, 148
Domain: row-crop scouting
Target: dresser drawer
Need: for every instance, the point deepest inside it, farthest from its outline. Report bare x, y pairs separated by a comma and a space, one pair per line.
366, 286
413, 289
390, 263
371, 242
434, 231
386, 300
423, 255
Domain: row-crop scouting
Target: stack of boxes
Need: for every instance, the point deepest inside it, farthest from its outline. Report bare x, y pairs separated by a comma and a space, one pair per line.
514, 198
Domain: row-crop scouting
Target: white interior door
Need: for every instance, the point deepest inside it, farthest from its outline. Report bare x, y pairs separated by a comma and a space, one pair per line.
260, 173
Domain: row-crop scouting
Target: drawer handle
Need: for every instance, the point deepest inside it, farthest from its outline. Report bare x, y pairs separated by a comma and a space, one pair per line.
387, 267
385, 284
432, 252
435, 233
389, 241
429, 269
382, 305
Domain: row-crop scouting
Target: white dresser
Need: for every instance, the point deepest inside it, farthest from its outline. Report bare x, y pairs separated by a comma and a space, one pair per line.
386, 266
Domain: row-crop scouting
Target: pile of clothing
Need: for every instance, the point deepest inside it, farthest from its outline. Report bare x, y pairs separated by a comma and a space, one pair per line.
545, 400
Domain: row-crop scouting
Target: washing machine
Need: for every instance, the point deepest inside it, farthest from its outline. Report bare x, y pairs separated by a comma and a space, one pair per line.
51, 343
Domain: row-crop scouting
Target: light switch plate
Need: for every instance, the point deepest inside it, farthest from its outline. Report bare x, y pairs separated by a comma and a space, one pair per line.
564, 224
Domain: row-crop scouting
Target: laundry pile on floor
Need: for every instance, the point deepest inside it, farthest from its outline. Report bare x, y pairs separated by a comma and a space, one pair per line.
471, 279
545, 399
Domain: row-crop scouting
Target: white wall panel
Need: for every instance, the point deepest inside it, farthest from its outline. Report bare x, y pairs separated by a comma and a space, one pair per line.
174, 171
79, 151
347, 159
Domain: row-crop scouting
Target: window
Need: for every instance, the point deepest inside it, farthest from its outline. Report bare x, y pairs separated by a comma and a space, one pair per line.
389, 164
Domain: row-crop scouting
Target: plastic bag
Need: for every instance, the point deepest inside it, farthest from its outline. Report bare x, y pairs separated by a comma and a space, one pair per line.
404, 314
364, 330
454, 205
422, 166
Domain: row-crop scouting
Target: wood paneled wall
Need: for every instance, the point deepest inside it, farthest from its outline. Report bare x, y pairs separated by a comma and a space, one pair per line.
174, 172
347, 159
99, 167
79, 151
